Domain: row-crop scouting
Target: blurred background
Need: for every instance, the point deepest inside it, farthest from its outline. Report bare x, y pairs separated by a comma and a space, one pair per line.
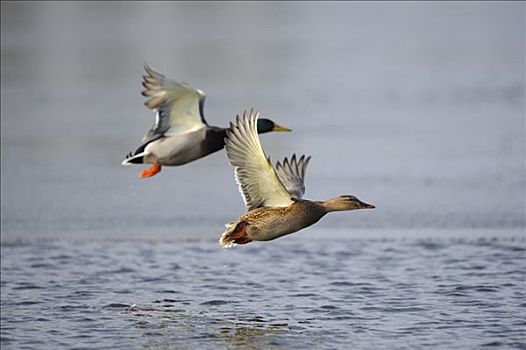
416, 107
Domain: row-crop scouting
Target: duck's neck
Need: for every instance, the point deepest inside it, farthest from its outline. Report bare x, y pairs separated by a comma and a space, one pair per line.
214, 139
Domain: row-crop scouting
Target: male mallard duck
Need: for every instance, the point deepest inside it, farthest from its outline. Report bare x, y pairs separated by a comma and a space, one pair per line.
272, 195
180, 133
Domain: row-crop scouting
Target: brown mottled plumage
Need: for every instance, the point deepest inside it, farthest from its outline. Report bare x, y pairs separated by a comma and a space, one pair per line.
272, 196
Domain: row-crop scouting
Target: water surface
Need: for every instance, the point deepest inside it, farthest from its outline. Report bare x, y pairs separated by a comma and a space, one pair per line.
437, 293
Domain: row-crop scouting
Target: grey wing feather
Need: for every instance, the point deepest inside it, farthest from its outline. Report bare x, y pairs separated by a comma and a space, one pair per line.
292, 174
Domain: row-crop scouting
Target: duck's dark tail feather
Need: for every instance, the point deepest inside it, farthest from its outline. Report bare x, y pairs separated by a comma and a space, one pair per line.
133, 159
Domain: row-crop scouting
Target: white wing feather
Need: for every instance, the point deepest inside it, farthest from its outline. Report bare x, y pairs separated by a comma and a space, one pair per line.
178, 106
258, 183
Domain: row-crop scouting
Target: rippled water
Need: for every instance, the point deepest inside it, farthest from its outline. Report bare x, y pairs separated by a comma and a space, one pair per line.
436, 293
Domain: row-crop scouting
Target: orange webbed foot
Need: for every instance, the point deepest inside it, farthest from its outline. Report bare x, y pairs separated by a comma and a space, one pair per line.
151, 171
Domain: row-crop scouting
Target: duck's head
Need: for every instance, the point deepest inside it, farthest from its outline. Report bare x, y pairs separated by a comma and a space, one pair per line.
346, 202
267, 125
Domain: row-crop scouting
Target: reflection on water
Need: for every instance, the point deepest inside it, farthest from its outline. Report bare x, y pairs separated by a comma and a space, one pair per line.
423, 118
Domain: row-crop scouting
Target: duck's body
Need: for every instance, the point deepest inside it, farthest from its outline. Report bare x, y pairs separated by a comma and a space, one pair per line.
180, 134
272, 195
268, 223
185, 148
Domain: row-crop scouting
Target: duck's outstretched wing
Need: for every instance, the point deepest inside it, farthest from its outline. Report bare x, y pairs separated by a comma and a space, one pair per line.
258, 183
178, 106
292, 174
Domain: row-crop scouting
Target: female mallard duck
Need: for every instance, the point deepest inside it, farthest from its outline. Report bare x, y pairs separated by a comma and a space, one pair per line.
180, 133
272, 195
